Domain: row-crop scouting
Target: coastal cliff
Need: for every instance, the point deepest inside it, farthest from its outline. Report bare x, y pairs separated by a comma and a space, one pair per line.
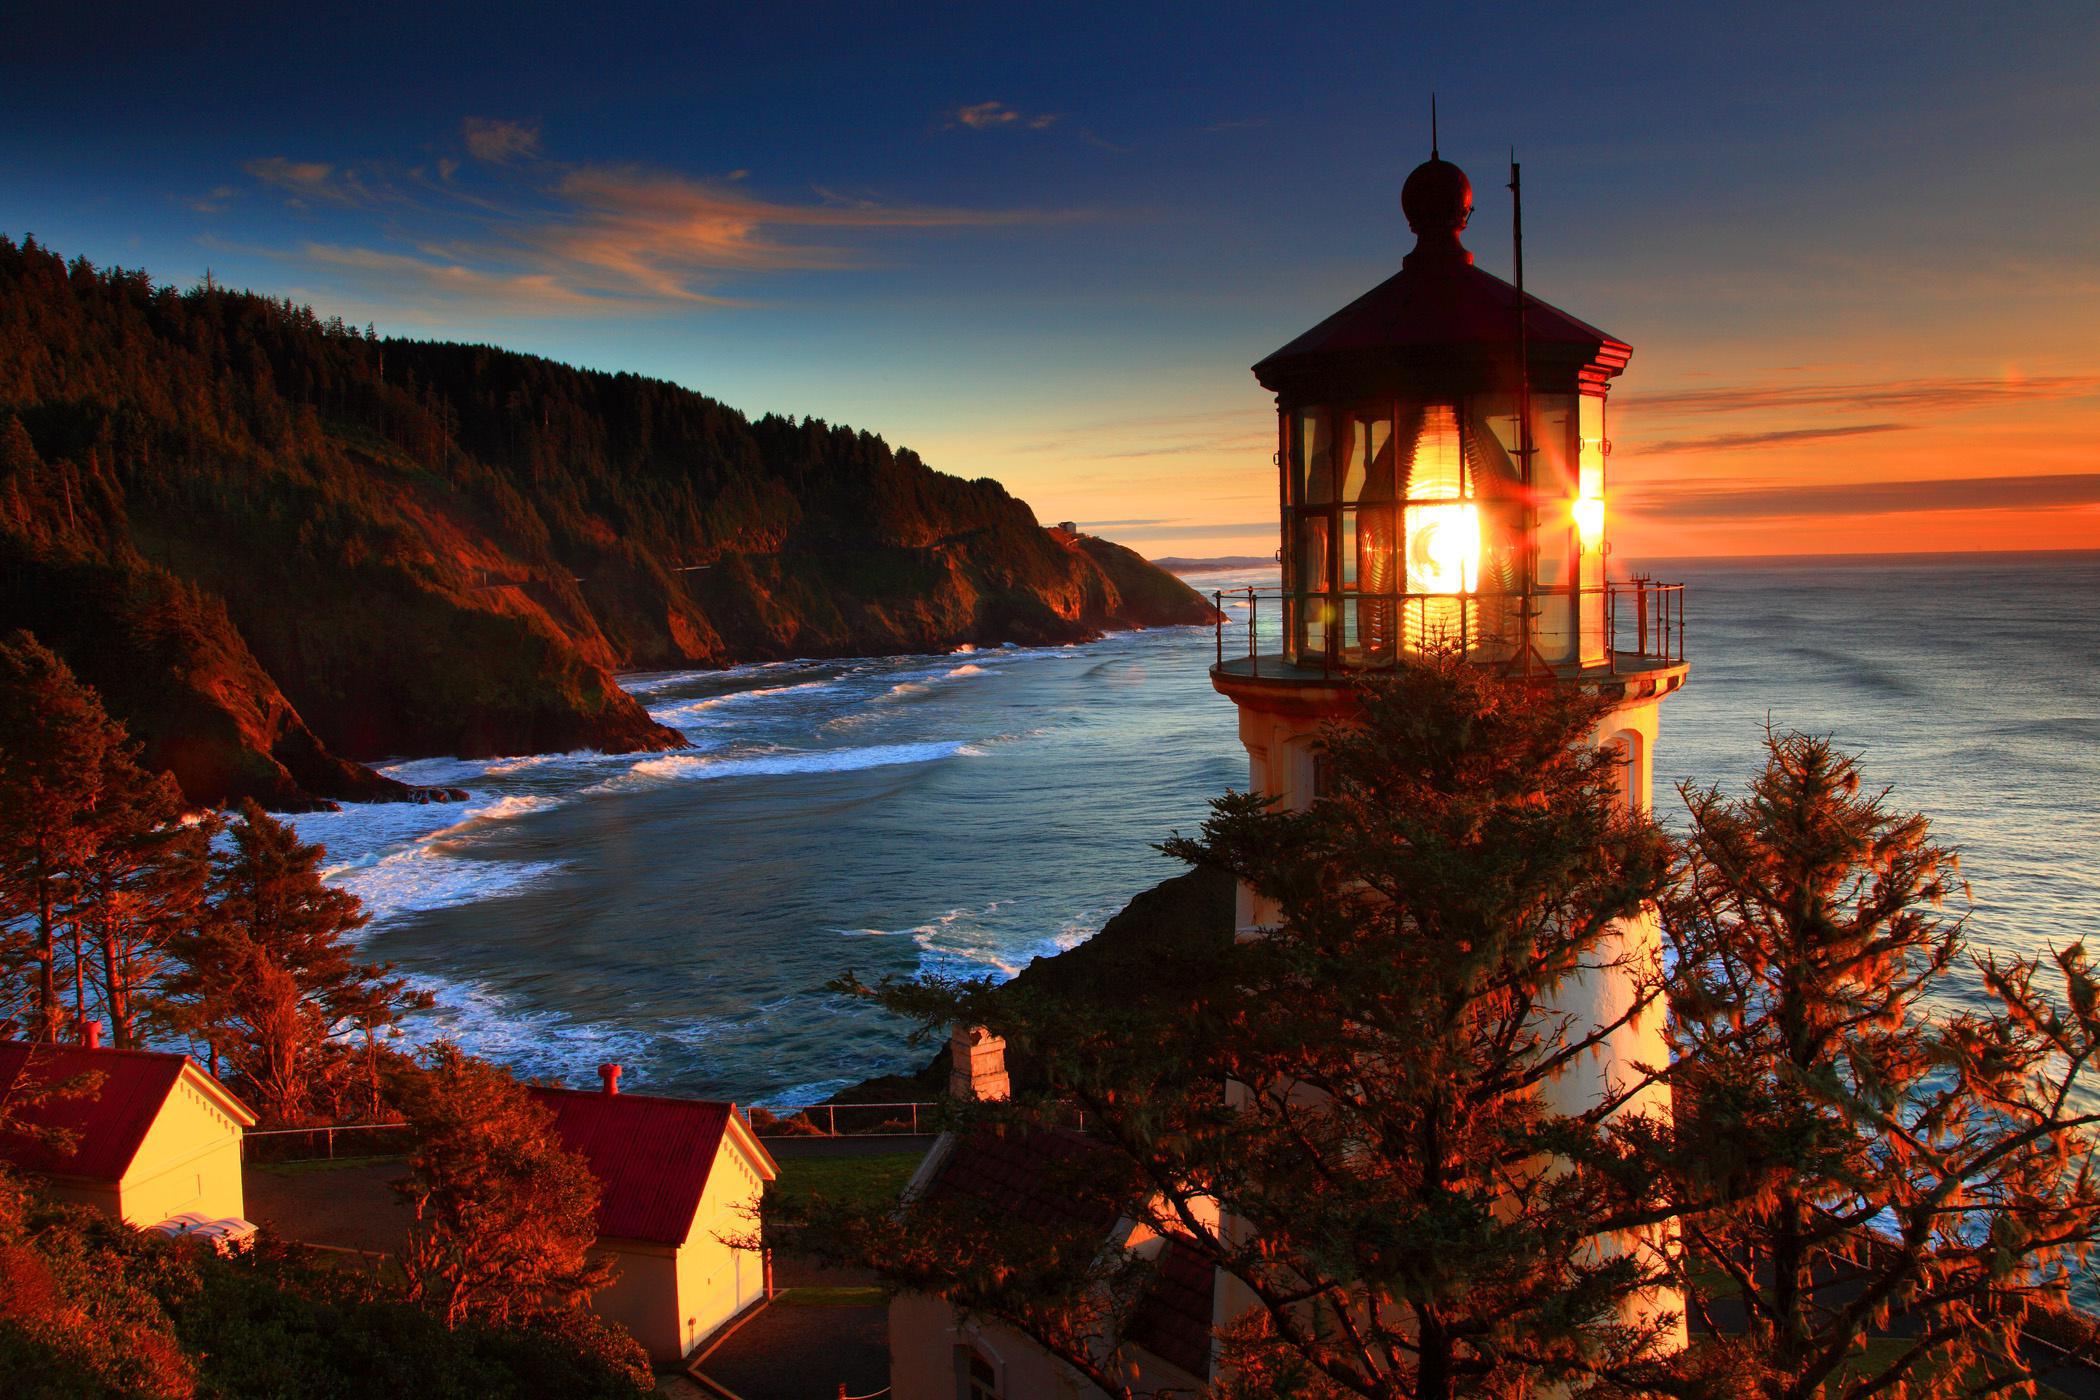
282, 547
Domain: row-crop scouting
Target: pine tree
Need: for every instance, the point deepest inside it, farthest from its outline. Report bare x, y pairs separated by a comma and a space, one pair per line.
56, 744
505, 1215
269, 982
1873, 1144
1384, 1158
140, 891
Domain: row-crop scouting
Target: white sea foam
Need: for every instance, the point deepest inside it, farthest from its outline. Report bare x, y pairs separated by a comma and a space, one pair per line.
702, 767
673, 713
433, 875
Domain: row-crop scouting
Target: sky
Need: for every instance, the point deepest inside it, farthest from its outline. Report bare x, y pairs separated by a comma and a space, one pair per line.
1855, 247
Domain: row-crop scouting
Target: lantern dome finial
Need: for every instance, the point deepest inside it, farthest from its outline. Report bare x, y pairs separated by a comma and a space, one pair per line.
1438, 201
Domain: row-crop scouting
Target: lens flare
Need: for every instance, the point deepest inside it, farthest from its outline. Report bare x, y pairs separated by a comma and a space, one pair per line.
1443, 548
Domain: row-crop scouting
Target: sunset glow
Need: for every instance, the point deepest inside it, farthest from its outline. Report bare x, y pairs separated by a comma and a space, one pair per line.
1843, 343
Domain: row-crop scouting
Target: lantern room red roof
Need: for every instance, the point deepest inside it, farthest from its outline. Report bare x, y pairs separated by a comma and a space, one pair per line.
93, 1104
1439, 299
652, 1156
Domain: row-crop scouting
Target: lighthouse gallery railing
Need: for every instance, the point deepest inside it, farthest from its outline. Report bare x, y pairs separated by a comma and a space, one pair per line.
1642, 625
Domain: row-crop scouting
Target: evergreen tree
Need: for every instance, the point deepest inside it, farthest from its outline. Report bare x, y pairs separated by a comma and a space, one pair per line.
1383, 1162
504, 1214
269, 982
56, 746
1874, 1144
141, 886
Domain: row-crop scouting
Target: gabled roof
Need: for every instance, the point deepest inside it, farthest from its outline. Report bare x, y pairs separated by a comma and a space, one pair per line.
652, 1156
103, 1125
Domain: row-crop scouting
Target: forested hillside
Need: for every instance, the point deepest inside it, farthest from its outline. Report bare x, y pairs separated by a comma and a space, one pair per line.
278, 544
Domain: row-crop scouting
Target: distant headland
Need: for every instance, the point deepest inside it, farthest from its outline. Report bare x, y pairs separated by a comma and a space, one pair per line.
282, 547
1175, 565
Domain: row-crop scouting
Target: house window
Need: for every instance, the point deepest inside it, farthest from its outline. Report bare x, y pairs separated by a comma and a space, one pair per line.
976, 1378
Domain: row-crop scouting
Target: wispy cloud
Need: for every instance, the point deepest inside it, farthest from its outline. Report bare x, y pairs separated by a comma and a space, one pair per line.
1730, 442
516, 231
644, 232
438, 279
1732, 503
1162, 435
1936, 394
500, 142
307, 181
993, 116
215, 201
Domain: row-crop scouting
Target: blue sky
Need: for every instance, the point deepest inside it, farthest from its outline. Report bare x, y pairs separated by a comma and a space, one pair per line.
1854, 251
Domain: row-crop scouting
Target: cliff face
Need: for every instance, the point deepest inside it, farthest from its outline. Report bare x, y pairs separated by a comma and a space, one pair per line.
278, 544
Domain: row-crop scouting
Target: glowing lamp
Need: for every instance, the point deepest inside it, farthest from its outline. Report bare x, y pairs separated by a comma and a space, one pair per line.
1589, 520
1443, 548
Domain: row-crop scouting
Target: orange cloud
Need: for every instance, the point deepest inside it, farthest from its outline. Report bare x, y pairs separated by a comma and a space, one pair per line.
304, 180
532, 234
423, 280
657, 234
990, 116
1946, 394
1836, 498
500, 142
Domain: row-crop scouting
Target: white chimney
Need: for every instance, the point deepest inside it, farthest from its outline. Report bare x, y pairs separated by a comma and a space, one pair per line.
977, 1065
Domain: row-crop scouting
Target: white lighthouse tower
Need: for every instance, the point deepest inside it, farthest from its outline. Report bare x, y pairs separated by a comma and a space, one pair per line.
1442, 483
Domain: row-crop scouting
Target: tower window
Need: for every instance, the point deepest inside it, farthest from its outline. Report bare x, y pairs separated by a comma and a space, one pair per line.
976, 1377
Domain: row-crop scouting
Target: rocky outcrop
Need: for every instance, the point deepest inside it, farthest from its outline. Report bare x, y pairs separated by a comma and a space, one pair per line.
283, 548
1168, 938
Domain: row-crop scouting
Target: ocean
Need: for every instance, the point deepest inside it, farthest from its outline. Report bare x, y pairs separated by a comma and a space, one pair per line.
681, 913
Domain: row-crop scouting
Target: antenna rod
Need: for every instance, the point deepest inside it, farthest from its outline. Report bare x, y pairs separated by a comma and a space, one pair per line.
1432, 128
1524, 445
1516, 216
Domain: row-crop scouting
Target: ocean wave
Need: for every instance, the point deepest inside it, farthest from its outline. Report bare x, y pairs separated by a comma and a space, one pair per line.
703, 767
687, 709
433, 875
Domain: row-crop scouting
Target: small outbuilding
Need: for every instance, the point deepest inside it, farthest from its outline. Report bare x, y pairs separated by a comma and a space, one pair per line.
143, 1135
679, 1185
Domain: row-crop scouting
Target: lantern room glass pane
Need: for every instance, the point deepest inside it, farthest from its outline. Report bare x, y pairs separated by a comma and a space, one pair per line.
1368, 443
1314, 459
1314, 604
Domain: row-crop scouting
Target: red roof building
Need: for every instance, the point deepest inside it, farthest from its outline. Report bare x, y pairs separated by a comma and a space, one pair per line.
141, 1134
679, 1185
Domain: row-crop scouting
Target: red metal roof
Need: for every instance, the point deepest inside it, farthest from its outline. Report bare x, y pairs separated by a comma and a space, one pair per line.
1440, 301
105, 1124
652, 1156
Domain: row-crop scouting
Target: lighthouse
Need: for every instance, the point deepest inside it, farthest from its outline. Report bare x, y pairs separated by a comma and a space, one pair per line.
1442, 445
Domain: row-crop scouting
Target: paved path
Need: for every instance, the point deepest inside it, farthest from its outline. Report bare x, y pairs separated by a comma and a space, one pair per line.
794, 1351
341, 1207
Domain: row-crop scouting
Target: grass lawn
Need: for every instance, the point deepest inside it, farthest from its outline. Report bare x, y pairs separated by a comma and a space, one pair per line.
859, 1181
832, 1297
320, 1164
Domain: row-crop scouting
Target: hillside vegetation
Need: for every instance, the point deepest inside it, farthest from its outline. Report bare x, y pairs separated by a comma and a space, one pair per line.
281, 547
